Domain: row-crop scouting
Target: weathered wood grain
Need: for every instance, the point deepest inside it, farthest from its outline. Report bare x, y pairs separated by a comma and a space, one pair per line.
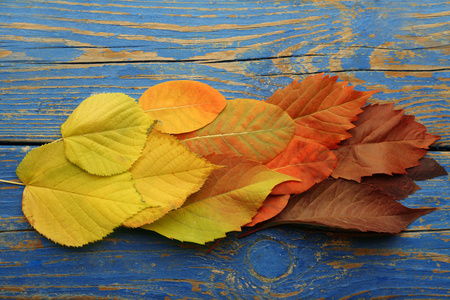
289, 262
54, 54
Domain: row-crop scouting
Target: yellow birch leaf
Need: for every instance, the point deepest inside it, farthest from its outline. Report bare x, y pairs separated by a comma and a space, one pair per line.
165, 175
182, 106
106, 133
70, 206
229, 199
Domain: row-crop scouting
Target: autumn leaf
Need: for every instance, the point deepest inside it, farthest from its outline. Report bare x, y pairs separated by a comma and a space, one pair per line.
321, 107
398, 186
106, 133
305, 160
70, 206
428, 168
348, 205
384, 141
165, 175
229, 199
250, 128
271, 207
182, 106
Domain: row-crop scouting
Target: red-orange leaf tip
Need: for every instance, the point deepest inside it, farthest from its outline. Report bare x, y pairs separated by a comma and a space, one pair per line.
322, 108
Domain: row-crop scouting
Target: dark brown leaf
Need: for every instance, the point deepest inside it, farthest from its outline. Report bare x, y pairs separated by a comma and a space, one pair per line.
428, 168
348, 205
398, 186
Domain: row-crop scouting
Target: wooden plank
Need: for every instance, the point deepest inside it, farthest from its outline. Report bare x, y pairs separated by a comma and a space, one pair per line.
56, 53
289, 262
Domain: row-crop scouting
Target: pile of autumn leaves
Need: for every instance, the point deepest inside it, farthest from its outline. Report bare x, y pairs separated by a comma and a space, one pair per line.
188, 164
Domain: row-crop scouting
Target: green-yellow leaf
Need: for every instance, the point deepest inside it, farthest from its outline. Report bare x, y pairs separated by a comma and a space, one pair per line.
254, 129
165, 175
70, 206
182, 105
229, 199
106, 133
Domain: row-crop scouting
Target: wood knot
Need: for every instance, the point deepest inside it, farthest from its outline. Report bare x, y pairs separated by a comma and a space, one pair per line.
269, 260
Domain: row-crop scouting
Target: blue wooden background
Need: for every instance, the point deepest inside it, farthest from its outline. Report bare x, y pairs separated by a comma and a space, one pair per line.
54, 54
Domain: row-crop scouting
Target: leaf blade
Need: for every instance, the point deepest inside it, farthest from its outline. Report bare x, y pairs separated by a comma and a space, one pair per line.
70, 206
105, 134
250, 128
348, 205
427, 169
182, 106
384, 141
229, 199
271, 207
308, 161
165, 175
321, 107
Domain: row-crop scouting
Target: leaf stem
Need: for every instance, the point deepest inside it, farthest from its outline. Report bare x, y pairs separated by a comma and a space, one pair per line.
11, 182
57, 140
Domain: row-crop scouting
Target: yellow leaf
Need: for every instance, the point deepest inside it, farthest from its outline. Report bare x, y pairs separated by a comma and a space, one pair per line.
182, 106
70, 206
165, 175
229, 199
106, 133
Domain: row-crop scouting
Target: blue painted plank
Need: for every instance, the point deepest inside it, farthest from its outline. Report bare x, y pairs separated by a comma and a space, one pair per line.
54, 54
289, 262
286, 262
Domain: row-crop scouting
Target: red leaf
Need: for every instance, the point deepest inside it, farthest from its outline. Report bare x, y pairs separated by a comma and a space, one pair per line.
427, 169
272, 206
398, 186
321, 107
384, 141
348, 205
306, 160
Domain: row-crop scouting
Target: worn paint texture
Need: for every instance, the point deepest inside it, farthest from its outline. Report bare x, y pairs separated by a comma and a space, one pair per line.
54, 54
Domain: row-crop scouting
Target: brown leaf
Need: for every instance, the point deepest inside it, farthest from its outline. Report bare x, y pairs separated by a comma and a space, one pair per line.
384, 141
348, 205
321, 107
428, 168
398, 186
306, 160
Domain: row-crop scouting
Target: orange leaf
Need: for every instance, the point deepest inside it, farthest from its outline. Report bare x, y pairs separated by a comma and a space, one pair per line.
182, 106
254, 129
384, 141
321, 107
306, 160
271, 207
